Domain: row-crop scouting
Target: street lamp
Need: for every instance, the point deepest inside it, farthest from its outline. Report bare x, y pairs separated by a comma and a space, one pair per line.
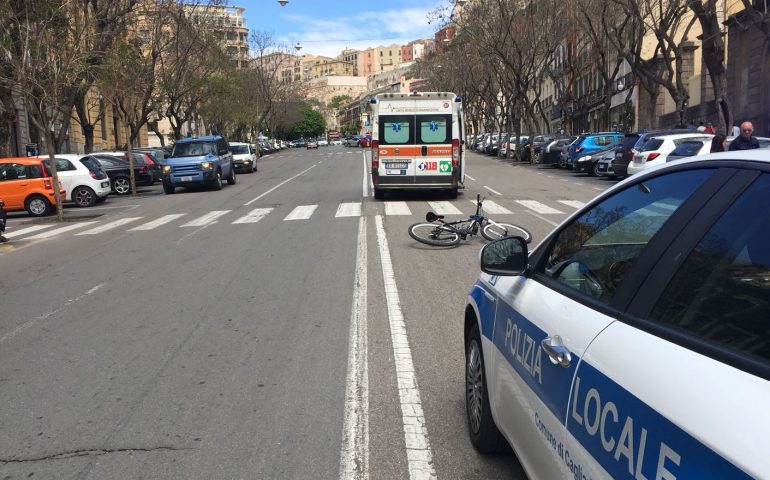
298, 47
283, 2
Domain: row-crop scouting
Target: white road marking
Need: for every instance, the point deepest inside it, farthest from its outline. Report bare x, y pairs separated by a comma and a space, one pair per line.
546, 220
550, 176
444, 208
564, 180
367, 179
573, 203
109, 226
538, 207
302, 212
578, 183
492, 207
468, 176
254, 216
158, 222
27, 230
599, 189
354, 454
349, 209
207, 219
493, 191
53, 233
418, 451
46, 315
397, 208
280, 184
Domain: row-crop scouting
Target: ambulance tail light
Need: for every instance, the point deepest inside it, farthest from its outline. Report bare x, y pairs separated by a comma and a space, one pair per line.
375, 154
455, 152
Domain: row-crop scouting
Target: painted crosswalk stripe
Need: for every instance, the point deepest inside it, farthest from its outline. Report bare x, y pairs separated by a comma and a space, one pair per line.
254, 216
207, 219
538, 207
25, 231
349, 209
109, 226
397, 208
444, 208
58, 231
157, 222
573, 203
492, 207
302, 212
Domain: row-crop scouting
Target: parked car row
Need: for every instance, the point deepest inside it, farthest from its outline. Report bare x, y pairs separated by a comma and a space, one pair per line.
87, 179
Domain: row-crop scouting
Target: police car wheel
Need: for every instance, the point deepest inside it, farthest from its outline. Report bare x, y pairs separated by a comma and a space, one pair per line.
231, 179
217, 183
485, 436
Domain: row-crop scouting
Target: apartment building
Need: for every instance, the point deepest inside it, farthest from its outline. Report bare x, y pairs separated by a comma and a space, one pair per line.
230, 26
378, 59
350, 55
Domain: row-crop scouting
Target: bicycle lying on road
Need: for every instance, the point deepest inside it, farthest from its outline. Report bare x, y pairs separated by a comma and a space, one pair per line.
440, 233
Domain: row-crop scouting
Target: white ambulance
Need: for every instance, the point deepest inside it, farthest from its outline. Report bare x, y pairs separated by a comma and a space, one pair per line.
418, 142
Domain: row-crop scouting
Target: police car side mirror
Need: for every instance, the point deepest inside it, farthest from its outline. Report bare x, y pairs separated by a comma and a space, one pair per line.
506, 256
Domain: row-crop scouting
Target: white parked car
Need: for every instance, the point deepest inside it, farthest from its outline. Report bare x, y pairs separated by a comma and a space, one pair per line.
656, 149
633, 341
244, 157
322, 142
336, 142
82, 177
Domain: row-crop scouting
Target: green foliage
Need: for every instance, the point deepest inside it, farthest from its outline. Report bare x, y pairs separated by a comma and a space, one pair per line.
312, 123
338, 101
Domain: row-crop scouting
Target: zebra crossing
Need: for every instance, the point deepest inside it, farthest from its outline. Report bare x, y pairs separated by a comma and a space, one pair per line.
255, 215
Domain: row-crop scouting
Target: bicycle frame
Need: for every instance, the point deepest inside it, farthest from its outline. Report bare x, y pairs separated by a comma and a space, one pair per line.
470, 226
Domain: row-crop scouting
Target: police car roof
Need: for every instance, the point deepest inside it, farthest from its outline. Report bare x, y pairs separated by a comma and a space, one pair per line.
207, 138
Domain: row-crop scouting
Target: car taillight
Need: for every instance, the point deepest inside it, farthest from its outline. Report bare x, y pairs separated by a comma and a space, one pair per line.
653, 156
630, 155
150, 161
455, 152
48, 184
143, 169
93, 175
375, 154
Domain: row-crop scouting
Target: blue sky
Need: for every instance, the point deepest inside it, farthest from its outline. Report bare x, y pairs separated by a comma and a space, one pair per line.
325, 27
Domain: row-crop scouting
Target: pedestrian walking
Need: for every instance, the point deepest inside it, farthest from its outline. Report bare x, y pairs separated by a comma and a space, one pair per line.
709, 129
746, 140
718, 143
3, 217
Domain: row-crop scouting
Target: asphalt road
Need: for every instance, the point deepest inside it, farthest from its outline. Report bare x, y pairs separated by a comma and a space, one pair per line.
277, 342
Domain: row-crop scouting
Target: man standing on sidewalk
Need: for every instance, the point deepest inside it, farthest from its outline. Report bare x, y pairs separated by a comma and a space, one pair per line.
746, 140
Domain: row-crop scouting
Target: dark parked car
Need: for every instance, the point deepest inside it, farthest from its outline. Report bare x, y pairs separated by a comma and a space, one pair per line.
533, 150
624, 154
589, 163
551, 154
143, 158
117, 169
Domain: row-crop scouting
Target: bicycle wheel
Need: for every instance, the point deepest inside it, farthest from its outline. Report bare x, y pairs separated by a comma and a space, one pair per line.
494, 230
433, 234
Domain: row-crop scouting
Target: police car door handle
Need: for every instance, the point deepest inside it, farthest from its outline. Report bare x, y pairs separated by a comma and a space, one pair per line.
556, 351
489, 296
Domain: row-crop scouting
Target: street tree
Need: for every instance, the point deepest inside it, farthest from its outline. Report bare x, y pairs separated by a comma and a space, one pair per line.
43, 58
312, 123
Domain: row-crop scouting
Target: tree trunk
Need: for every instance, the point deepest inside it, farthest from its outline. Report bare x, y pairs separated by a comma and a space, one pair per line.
713, 51
50, 145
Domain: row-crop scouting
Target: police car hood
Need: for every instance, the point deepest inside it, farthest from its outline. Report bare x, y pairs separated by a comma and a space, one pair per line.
209, 157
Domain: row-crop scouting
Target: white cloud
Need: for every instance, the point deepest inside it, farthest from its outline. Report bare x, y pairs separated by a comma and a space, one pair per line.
368, 29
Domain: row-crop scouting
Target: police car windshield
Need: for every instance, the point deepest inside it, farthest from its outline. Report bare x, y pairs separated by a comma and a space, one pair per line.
192, 149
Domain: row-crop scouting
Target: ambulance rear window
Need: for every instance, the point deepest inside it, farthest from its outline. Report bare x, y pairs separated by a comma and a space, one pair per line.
434, 129
396, 130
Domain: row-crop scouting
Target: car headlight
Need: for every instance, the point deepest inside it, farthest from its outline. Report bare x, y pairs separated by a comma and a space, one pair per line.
584, 158
206, 165
166, 168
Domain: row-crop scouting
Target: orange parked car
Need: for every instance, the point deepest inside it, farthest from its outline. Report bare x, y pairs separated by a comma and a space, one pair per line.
25, 184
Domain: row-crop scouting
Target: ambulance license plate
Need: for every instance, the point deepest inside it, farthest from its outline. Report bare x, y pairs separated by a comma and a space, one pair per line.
395, 172
396, 166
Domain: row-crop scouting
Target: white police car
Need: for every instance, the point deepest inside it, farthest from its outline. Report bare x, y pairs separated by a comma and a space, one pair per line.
634, 341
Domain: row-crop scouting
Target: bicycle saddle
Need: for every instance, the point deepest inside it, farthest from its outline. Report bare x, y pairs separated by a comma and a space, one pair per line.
432, 217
